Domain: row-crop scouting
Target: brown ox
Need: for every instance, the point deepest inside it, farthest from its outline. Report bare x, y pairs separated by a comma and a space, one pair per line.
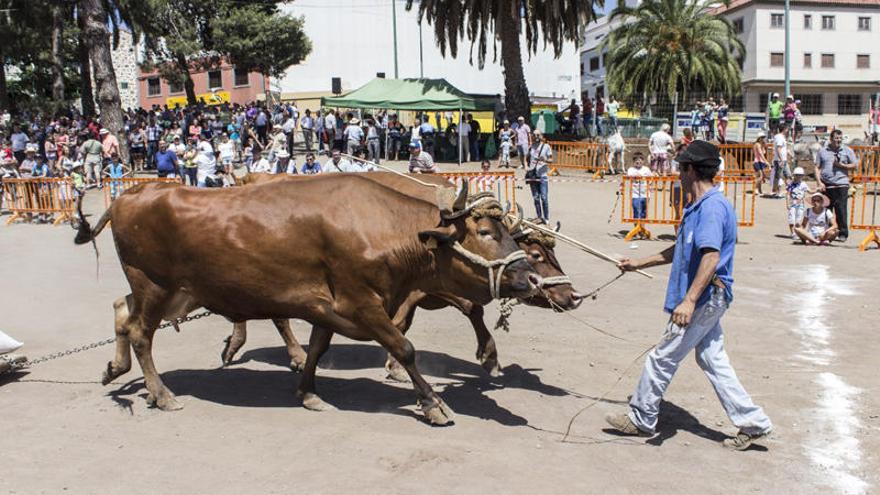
555, 287
346, 262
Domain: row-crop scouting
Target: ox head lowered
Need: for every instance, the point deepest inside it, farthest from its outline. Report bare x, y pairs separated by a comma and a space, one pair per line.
556, 288
482, 255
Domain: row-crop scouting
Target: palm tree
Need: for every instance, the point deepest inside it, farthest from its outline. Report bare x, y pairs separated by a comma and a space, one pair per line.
546, 22
669, 46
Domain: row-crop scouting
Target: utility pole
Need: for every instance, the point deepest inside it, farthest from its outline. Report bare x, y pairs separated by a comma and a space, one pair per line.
421, 53
787, 49
394, 27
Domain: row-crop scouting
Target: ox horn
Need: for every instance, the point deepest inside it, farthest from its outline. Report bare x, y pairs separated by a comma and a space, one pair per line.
506, 208
461, 200
558, 226
516, 225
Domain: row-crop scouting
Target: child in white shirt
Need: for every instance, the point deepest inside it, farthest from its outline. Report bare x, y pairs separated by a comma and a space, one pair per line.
795, 201
639, 188
819, 226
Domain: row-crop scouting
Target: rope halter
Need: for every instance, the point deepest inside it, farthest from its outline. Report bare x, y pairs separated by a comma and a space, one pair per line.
494, 278
558, 280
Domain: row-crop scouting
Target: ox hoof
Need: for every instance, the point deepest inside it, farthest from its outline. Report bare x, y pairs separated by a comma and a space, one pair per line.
165, 402
314, 403
298, 361
438, 414
111, 373
398, 374
227, 354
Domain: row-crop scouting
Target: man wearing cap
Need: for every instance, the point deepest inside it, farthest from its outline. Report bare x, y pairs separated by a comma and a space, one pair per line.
699, 292
420, 161
833, 164
353, 135
93, 152
540, 156
283, 163
774, 113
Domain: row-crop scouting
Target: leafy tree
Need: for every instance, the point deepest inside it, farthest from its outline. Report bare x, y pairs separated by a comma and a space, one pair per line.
669, 46
545, 22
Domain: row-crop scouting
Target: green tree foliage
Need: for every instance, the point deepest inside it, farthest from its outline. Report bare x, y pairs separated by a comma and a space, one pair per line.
546, 23
255, 41
669, 46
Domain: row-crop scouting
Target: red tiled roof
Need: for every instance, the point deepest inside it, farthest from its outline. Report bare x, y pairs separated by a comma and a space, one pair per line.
736, 4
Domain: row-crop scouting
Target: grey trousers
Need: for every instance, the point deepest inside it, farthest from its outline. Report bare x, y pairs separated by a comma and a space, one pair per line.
705, 337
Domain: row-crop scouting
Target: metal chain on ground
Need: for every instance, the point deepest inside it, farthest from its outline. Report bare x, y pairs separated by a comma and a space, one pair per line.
55, 355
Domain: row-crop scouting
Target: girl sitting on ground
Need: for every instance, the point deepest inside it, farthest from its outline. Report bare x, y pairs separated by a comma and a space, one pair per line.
819, 226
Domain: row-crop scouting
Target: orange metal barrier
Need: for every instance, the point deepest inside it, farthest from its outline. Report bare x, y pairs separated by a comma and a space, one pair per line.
665, 201
589, 157
869, 161
39, 197
503, 184
863, 214
739, 159
114, 187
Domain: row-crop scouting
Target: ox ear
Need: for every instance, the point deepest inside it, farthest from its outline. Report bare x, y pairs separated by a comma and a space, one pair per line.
437, 236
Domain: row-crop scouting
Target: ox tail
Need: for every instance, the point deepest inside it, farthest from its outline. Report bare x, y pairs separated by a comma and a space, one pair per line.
85, 233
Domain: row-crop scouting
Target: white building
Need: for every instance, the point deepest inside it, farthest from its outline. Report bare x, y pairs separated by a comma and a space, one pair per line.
126, 58
355, 42
593, 57
835, 56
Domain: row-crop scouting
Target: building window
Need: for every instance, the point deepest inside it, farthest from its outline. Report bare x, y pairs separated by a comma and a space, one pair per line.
175, 87
864, 23
594, 64
123, 85
738, 25
582, 68
849, 104
762, 101
827, 60
828, 22
154, 86
215, 79
808, 60
777, 59
808, 21
811, 104
242, 78
863, 61
777, 20
605, 60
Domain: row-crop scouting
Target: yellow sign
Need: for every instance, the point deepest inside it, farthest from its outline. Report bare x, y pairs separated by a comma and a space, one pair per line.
212, 98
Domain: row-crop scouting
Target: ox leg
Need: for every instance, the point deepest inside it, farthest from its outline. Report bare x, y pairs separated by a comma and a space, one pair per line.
435, 410
487, 354
121, 364
294, 350
395, 370
234, 342
319, 342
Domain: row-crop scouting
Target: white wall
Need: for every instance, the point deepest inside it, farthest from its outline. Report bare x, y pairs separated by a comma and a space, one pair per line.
352, 39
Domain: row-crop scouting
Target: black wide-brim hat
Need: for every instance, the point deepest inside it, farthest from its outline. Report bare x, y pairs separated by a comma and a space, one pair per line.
701, 154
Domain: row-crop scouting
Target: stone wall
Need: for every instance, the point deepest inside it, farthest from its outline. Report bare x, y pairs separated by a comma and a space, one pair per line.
125, 64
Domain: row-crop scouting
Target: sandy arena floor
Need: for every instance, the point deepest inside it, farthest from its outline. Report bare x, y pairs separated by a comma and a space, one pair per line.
801, 334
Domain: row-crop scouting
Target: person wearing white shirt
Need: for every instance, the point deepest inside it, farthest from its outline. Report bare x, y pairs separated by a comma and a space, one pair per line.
206, 165
338, 164
639, 188
464, 130
260, 165
660, 144
284, 164
227, 153
780, 173
420, 162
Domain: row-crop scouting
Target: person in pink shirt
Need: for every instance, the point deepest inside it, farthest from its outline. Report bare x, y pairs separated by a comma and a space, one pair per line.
109, 143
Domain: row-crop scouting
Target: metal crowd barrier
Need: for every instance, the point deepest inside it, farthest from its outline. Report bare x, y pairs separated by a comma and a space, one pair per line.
665, 201
502, 184
863, 214
29, 199
588, 157
114, 187
739, 158
869, 161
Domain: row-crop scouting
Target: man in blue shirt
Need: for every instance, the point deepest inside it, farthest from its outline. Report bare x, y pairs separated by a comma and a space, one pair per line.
166, 161
698, 294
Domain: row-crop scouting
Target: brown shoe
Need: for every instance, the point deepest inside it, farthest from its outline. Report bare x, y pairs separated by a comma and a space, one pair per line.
623, 424
742, 441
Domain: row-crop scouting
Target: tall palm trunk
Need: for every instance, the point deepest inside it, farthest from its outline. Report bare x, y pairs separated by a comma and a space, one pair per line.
97, 39
57, 63
516, 93
86, 98
188, 85
4, 93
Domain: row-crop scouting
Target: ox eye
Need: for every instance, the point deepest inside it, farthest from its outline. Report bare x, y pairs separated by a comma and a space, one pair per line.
485, 232
536, 256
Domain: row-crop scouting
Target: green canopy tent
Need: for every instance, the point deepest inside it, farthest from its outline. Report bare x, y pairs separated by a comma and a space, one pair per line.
410, 94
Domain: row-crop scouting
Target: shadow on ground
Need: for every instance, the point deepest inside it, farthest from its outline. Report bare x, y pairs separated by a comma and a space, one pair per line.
465, 393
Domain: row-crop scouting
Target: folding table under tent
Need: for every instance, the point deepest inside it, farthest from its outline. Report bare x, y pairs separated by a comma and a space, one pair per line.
410, 94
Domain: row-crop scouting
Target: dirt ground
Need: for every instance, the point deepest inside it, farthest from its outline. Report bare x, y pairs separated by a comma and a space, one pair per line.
800, 334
